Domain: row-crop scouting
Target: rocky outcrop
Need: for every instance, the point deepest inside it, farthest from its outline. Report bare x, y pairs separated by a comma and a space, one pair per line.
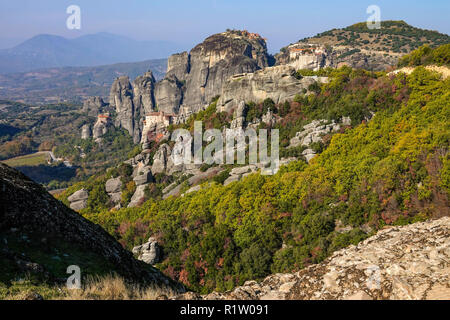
309, 154
197, 178
216, 59
128, 116
238, 121
86, 131
169, 94
162, 160
28, 211
114, 189
314, 132
409, 262
191, 82
149, 252
143, 177
143, 89
138, 196
240, 172
93, 106
178, 65
314, 56
78, 200
101, 126
142, 159
304, 56
278, 83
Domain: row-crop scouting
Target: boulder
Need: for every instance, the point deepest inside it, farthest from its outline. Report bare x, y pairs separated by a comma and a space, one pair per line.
115, 197
113, 185
193, 189
232, 179
242, 170
79, 195
138, 195
149, 252
78, 205
309, 154
143, 177
162, 159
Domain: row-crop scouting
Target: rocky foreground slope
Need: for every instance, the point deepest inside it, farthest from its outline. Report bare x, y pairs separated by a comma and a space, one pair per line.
409, 262
40, 237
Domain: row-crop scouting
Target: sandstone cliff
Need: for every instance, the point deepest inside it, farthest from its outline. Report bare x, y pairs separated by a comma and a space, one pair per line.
92, 106
121, 98
192, 80
409, 262
277, 83
219, 57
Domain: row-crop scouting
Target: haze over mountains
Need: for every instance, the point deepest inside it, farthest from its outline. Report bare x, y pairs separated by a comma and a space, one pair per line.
49, 51
53, 85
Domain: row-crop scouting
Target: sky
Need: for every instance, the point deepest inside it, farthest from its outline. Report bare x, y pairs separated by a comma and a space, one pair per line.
189, 22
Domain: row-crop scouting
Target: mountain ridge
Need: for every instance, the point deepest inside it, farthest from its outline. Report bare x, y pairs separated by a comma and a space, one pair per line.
72, 84
49, 51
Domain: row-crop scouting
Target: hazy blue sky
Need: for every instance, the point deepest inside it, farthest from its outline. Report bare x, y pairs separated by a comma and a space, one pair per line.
189, 22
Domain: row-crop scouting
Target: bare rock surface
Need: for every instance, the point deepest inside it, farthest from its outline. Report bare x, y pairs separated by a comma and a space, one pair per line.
92, 106
86, 131
408, 262
149, 252
278, 83
113, 185
78, 200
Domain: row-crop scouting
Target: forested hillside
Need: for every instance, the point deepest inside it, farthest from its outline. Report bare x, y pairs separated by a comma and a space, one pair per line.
391, 166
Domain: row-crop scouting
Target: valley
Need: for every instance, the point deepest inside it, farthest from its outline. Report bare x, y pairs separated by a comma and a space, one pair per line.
361, 119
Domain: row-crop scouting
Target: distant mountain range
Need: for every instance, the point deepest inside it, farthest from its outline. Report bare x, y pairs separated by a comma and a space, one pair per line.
50, 51
72, 84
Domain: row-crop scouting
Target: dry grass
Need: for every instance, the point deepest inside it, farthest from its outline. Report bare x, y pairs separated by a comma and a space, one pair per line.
113, 287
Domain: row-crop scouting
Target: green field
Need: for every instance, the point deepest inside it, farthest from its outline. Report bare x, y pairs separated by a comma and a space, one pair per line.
34, 159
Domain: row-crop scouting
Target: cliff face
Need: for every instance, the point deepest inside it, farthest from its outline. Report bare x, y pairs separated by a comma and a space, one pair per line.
143, 88
178, 65
409, 262
132, 102
219, 57
314, 56
31, 219
121, 98
92, 106
192, 80
277, 83
169, 94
